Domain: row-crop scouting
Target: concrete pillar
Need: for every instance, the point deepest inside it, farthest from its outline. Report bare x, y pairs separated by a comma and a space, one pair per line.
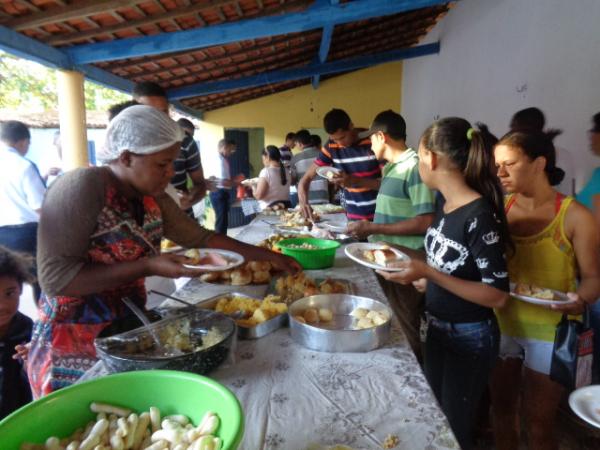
71, 110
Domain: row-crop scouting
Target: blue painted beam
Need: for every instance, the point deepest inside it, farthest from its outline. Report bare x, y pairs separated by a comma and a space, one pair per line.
319, 15
24, 47
187, 110
299, 73
324, 47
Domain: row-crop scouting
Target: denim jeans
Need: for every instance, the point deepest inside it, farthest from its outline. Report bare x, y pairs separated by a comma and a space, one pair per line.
22, 239
459, 358
220, 202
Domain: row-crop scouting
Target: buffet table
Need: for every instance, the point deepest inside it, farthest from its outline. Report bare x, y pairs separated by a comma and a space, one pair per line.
298, 399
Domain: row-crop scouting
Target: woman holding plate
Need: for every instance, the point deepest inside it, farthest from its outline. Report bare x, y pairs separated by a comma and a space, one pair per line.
99, 237
273, 184
556, 247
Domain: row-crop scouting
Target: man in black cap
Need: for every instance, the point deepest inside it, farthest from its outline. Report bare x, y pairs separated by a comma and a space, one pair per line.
403, 212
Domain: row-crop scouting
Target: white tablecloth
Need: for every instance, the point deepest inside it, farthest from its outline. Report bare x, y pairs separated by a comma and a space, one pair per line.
298, 399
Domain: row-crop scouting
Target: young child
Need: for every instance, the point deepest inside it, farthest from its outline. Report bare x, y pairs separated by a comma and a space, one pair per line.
15, 332
465, 270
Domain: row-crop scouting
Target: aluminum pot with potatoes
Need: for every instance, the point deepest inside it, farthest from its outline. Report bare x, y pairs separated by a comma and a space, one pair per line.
339, 323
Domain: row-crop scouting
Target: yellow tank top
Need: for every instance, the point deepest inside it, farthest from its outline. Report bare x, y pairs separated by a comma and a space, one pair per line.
546, 259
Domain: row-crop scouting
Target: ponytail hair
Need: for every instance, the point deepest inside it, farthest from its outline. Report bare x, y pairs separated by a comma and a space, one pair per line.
273, 153
535, 144
471, 151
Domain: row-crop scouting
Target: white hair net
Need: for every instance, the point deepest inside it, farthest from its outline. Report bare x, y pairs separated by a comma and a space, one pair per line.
142, 130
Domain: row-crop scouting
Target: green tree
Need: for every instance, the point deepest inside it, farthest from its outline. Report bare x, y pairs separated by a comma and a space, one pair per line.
31, 86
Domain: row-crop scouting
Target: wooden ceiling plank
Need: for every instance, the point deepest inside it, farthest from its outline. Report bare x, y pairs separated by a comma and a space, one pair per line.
313, 41
59, 14
146, 20
238, 9
303, 72
286, 61
28, 4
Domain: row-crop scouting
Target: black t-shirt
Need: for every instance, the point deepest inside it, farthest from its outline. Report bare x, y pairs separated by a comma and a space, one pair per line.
465, 243
14, 385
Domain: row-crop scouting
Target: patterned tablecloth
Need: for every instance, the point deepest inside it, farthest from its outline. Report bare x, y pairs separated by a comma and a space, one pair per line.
299, 399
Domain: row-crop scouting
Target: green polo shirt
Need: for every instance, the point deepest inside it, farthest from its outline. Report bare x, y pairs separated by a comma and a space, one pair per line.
402, 196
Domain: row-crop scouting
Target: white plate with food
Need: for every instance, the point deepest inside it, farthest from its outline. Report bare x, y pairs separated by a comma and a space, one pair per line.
585, 402
213, 259
249, 182
531, 293
376, 256
328, 172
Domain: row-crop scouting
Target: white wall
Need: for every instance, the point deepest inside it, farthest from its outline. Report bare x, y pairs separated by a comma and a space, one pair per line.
499, 56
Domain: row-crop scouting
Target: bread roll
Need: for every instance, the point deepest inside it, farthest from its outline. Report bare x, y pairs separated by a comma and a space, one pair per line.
241, 277
359, 313
325, 315
210, 277
261, 277
259, 266
225, 275
384, 256
311, 315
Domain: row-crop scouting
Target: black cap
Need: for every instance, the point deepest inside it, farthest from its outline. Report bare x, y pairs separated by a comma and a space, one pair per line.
388, 122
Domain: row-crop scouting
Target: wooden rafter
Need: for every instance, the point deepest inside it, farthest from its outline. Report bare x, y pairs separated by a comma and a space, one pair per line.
60, 14
312, 38
147, 20
266, 63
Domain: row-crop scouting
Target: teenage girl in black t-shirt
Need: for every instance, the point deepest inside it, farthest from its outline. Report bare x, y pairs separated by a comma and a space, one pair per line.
465, 270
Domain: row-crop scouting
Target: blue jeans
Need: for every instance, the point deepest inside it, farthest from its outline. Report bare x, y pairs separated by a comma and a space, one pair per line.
220, 202
459, 358
22, 239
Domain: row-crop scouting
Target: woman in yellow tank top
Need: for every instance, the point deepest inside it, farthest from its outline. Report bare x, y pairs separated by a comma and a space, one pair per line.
556, 246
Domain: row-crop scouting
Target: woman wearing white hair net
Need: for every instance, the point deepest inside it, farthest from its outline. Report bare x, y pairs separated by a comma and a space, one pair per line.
99, 237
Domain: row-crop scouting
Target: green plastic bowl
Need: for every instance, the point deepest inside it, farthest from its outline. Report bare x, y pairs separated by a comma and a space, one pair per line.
62, 412
320, 258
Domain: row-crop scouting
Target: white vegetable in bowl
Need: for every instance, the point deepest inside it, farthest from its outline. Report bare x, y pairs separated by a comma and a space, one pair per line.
137, 432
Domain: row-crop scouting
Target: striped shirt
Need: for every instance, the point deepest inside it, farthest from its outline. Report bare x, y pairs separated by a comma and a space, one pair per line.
187, 161
402, 195
318, 191
286, 155
357, 160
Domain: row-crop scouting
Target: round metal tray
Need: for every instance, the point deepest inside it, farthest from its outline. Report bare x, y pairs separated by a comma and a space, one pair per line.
340, 334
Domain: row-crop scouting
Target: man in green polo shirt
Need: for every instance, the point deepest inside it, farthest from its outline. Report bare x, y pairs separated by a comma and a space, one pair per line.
403, 212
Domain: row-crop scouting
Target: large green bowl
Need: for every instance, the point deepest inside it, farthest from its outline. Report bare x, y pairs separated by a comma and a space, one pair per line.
321, 257
62, 412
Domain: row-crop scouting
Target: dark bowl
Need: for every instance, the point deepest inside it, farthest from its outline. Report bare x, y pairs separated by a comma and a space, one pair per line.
137, 349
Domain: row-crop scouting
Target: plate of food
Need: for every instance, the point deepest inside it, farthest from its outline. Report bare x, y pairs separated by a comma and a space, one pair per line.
336, 227
531, 293
212, 259
249, 182
296, 219
585, 402
328, 172
252, 272
376, 256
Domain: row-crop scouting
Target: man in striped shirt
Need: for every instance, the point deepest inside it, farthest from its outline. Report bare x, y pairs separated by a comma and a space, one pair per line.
318, 190
188, 161
188, 164
404, 211
360, 173
286, 149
